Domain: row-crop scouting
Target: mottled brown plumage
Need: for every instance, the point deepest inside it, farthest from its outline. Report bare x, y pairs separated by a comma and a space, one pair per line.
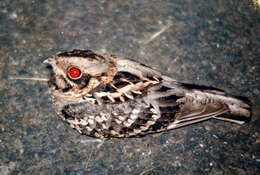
110, 96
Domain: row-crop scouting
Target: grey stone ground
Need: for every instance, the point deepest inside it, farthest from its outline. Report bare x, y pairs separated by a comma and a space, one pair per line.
215, 43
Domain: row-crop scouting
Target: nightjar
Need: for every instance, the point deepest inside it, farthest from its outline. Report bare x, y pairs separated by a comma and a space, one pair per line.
107, 96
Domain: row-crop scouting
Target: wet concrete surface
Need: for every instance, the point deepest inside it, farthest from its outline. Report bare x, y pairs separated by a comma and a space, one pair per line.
214, 43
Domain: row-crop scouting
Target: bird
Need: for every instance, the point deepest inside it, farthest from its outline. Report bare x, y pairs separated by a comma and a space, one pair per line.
106, 96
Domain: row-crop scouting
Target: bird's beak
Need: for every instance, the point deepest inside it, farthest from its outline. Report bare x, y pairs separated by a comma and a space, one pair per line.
50, 61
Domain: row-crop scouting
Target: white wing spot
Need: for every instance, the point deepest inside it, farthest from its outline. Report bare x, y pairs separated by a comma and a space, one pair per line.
91, 122
135, 111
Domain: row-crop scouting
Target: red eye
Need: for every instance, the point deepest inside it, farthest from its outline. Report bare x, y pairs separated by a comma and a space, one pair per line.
74, 72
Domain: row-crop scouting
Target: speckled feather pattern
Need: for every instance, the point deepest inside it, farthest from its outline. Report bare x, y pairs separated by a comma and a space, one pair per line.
113, 96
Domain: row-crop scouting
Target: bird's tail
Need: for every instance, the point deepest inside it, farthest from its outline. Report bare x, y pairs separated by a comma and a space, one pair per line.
193, 104
239, 110
231, 108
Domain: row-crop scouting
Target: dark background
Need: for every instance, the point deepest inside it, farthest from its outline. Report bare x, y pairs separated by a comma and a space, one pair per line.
214, 43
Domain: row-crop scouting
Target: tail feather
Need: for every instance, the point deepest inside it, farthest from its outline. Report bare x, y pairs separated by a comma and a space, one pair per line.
199, 103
